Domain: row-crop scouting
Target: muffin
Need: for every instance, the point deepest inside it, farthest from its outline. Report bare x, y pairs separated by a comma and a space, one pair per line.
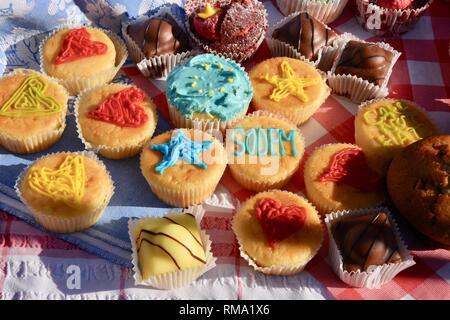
301, 36
338, 177
32, 111
230, 28
383, 127
399, 16
208, 92
115, 120
418, 182
362, 70
67, 191
183, 167
157, 43
267, 151
290, 87
278, 232
82, 58
366, 249
323, 10
170, 251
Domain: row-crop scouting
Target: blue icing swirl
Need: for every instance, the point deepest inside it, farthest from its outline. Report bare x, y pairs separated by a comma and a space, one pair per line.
180, 147
209, 84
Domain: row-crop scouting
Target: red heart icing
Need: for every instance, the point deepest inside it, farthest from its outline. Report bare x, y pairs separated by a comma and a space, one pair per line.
277, 221
77, 45
122, 108
349, 166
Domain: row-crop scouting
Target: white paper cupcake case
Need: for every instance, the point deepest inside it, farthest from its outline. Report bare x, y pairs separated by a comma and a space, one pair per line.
259, 186
37, 142
378, 275
321, 207
157, 67
324, 11
115, 153
358, 89
392, 21
66, 224
278, 270
177, 279
78, 84
238, 56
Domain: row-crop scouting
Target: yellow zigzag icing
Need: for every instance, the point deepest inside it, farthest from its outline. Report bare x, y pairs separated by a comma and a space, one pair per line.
63, 184
29, 100
289, 84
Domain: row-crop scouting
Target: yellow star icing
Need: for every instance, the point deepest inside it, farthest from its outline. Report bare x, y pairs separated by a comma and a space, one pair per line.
63, 184
29, 100
207, 12
289, 83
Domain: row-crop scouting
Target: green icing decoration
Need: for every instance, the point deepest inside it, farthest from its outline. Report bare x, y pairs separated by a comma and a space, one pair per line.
209, 84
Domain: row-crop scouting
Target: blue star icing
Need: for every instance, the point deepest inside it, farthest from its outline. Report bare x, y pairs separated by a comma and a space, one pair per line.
181, 147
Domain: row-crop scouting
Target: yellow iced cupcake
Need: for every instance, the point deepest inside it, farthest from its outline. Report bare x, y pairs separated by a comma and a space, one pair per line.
116, 120
337, 177
279, 232
289, 87
32, 111
266, 151
82, 57
183, 167
384, 127
66, 192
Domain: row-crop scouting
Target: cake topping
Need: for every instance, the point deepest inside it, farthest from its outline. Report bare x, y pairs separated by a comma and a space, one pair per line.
29, 99
169, 244
77, 45
221, 88
158, 36
263, 142
67, 183
277, 221
181, 147
397, 124
207, 12
349, 167
395, 4
122, 108
289, 84
368, 61
366, 241
306, 34
207, 22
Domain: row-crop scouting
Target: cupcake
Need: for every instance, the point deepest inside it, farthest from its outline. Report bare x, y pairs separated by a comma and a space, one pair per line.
390, 17
82, 58
290, 87
32, 111
301, 36
170, 251
115, 120
338, 177
208, 92
67, 191
366, 249
278, 232
183, 167
418, 182
383, 127
266, 151
362, 70
157, 43
323, 10
231, 28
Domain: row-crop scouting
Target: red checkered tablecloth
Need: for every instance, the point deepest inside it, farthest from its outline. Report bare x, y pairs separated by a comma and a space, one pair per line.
33, 264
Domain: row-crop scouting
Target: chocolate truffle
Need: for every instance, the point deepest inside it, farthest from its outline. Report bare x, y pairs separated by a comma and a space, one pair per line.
368, 61
366, 240
158, 36
306, 34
